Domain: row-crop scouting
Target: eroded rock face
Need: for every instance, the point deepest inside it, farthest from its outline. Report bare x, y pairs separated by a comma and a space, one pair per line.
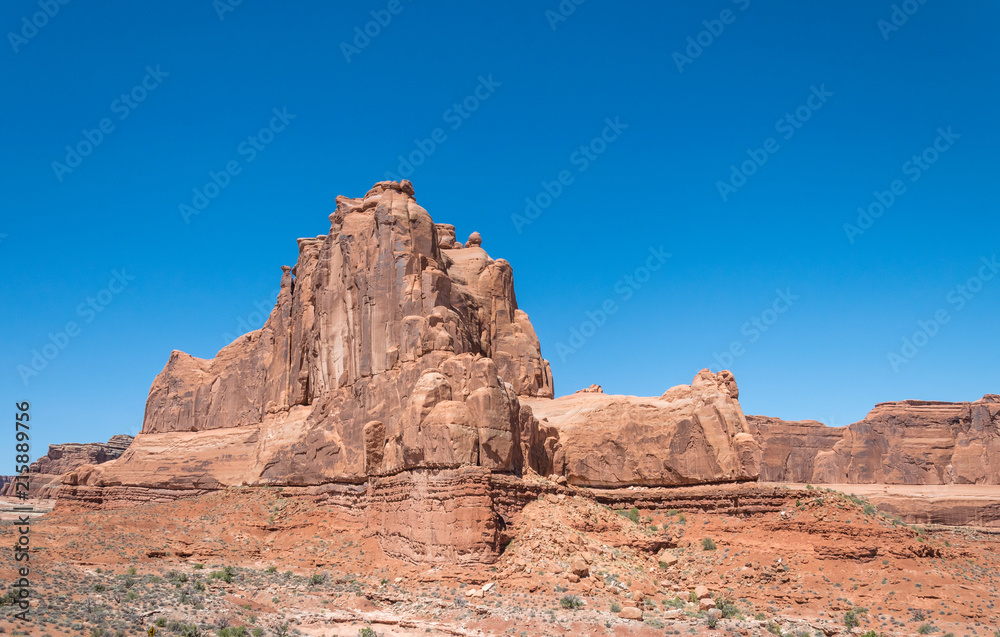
691, 434
908, 442
46, 472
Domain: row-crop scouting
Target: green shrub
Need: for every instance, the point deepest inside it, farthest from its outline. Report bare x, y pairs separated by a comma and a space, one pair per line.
726, 607
367, 632
616, 607
99, 588
226, 575
317, 579
161, 622
850, 619
571, 602
712, 622
708, 544
926, 628
633, 514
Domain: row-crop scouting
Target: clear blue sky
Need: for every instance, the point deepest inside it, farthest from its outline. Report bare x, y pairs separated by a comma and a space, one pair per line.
864, 99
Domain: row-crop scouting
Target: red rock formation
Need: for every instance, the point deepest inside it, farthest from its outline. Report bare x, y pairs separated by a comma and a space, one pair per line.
691, 434
397, 359
908, 442
46, 472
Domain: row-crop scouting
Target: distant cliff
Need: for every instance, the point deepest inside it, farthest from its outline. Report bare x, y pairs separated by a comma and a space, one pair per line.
907, 442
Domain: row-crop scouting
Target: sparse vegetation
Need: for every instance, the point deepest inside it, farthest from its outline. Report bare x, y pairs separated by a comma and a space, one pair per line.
708, 544
572, 602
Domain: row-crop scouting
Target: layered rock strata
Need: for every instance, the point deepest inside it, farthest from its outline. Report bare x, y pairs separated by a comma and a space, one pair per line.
46, 472
908, 442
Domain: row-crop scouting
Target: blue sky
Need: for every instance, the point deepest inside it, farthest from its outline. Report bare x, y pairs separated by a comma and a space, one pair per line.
740, 153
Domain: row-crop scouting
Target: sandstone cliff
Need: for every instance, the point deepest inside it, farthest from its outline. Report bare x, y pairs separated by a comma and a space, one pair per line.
691, 434
46, 472
908, 442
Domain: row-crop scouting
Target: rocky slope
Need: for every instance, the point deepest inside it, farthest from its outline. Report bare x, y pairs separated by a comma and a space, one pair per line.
908, 442
396, 374
47, 471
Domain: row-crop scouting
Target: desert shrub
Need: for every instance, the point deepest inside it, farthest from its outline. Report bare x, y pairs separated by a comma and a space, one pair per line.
99, 588
317, 579
226, 575
571, 602
926, 629
161, 622
869, 509
367, 632
708, 544
616, 607
234, 631
726, 607
713, 621
850, 619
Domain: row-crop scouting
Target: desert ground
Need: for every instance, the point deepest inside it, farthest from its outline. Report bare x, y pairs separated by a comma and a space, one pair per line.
264, 561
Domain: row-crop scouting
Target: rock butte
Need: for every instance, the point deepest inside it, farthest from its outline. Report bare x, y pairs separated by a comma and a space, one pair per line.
397, 376
397, 381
